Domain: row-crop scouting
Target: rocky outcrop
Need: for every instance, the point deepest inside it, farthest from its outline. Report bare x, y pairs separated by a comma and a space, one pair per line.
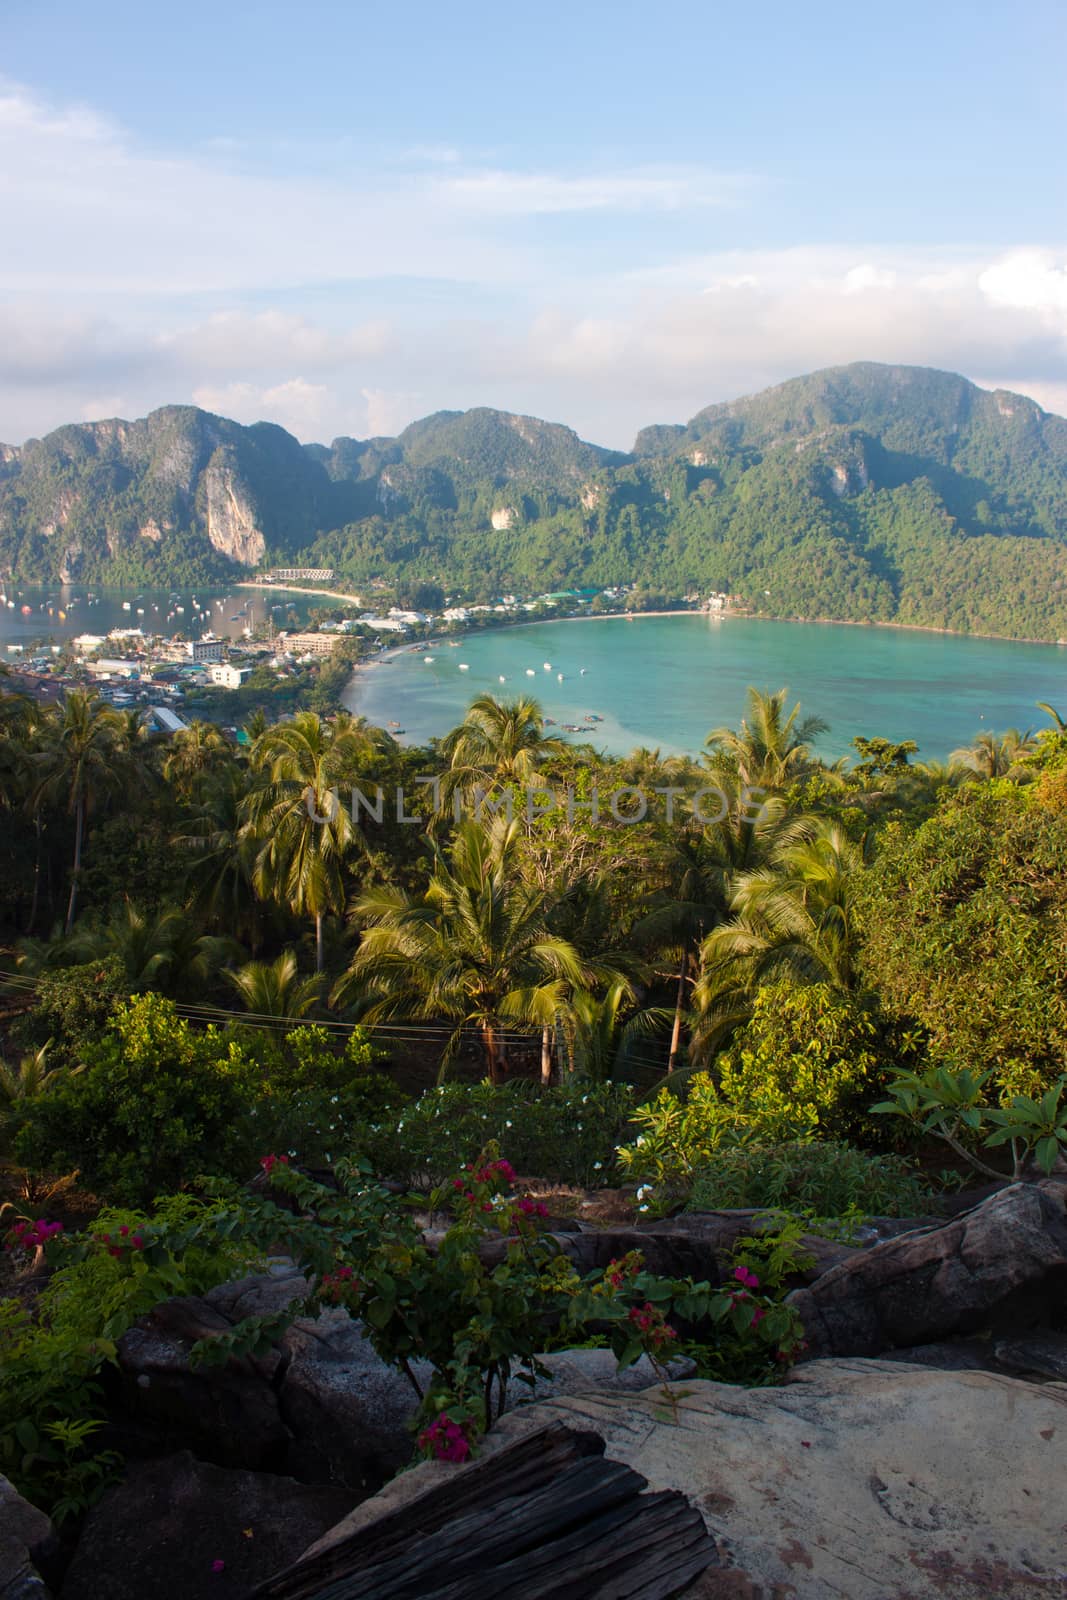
228, 1414
858, 1480
179, 1529
27, 1542
1002, 1266
231, 521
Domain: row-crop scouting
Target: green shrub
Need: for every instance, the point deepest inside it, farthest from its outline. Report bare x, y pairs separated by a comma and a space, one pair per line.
564, 1135
50, 1399
810, 1053
680, 1133
828, 1178
73, 1006
161, 1102
158, 1104
312, 1099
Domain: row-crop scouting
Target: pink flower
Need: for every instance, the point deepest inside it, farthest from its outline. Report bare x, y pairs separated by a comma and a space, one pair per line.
268, 1163
218, 1565
445, 1439
749, 1279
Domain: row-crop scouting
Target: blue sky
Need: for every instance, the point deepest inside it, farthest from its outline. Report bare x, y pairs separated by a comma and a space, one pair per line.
341, 217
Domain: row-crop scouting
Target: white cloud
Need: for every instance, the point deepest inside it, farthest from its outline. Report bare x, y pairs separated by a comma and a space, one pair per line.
389, 411
1029, 280
300, 406
530, 194
355, 302
272, 339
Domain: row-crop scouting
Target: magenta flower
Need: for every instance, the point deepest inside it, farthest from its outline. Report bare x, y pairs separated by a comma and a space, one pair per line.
749, 1279
218, 1565
445, 1439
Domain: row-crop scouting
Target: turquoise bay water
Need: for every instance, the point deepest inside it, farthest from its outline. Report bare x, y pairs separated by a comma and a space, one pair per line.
666, 681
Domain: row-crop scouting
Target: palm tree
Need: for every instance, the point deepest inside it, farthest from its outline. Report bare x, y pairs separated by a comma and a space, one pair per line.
192, 755
222, 856
79, 765
791, 919
1058, 723
32, 1077
598, 1038
771, 748
992, 757
164, 950
475, 949
274, 988
304, 832
498, 742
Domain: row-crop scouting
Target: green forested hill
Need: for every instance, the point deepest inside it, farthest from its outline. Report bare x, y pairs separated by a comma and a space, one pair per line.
861, 492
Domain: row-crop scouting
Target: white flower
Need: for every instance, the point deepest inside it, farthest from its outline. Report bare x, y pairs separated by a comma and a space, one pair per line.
597, 1165
642, 1208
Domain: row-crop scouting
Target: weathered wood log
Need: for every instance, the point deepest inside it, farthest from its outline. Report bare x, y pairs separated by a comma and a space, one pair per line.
545, 1517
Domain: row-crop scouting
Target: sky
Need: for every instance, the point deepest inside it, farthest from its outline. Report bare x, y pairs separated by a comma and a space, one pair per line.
340, 217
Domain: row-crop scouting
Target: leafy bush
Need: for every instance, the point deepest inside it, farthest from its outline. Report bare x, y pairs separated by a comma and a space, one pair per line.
73, 1006
809, 1054
488, 1295
50, 1400
953, 1106
314, 1101
828, 1178
679, 1135
161, 1102
158, 1104
565, 1135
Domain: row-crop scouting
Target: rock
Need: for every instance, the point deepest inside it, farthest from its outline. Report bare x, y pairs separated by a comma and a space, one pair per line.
24, 1523
1043, 1354
19, 1578
228, 1414
592, 1372
1004, 1264
159, 1532
259, 1295
953, 1355
671, 1254
348, 1410
858, 1480
352, 1415
27, 1539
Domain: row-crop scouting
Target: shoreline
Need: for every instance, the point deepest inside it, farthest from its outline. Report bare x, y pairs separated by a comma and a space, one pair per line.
294, 588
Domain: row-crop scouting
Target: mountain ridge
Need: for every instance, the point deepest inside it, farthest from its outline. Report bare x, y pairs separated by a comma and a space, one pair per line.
867, 492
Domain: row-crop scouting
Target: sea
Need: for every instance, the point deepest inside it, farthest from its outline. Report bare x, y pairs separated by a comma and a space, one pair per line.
31, 617
664, 682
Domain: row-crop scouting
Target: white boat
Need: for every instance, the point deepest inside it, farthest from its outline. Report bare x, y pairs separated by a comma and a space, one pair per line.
530, 673
126, 605
428, 658
547, 666
463, 667
583, 672
559, 676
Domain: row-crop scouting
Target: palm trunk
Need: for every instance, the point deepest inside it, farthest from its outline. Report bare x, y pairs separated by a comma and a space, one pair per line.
35, 902
492, 1051
320, 961
546, 1055
79, 829
679, 1005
